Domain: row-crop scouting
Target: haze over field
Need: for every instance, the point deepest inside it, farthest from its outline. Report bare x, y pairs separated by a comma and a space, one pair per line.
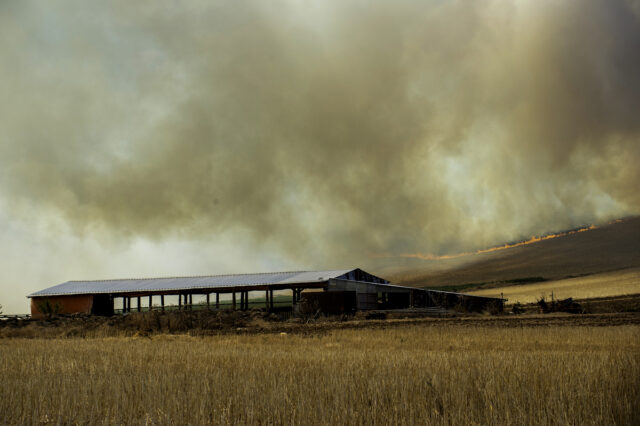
143, 139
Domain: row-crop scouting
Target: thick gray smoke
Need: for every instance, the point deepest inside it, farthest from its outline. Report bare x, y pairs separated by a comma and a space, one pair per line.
330, 130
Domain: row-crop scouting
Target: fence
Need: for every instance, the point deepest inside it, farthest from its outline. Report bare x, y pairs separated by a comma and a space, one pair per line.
16, 316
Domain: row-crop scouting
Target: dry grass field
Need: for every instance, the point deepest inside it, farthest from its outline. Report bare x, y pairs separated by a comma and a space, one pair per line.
599, 285
406, 375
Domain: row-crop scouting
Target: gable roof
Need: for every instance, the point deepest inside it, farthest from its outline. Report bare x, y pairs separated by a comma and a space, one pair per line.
139, 285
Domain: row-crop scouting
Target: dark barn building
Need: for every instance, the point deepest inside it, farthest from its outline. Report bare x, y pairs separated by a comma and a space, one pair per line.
337, 291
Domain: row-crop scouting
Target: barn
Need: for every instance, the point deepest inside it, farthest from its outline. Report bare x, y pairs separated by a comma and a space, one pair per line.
332, 291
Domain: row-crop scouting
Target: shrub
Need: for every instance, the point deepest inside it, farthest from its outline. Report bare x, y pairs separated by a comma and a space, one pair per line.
49, 309
517, 308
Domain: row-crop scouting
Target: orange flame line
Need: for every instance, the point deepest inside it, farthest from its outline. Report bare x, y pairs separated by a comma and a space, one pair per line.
532, 240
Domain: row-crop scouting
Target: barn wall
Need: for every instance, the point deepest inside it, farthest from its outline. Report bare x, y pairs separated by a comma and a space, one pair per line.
363, 287
66, 304
367, 301
396, 301
367, 294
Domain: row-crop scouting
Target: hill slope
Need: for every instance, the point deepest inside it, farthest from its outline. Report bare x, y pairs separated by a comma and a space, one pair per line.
607, 248
607, 284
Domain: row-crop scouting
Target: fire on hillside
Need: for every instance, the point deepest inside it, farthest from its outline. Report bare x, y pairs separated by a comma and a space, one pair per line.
532, 240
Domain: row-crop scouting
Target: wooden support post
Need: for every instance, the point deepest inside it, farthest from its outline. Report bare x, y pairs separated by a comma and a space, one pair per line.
266, 299
242, 300
162, 301
234, 300
271, 299
190, 302
124, 304
139, 307
179, 301
150, 303
217, 300
208, 302
128, 304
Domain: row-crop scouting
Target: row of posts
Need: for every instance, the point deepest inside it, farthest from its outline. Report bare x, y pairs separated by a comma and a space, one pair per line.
185, 301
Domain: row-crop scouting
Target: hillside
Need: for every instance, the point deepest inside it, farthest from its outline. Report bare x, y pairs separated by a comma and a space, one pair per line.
607, 248
606, 284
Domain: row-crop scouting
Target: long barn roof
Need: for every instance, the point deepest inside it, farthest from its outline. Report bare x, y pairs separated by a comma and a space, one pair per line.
141, 285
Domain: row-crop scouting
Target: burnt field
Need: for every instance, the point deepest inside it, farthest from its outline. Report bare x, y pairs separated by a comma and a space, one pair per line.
609, 248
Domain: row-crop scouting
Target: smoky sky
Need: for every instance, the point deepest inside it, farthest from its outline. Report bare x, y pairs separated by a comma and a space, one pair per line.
329, 131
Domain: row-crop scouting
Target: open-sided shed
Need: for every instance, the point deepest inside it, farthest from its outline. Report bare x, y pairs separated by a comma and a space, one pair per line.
343, 290
99, 297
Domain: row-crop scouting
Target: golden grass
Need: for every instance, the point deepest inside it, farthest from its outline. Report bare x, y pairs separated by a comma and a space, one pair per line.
409, 375
599, 285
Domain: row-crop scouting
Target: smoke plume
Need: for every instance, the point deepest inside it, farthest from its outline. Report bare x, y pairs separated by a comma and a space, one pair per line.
327, 131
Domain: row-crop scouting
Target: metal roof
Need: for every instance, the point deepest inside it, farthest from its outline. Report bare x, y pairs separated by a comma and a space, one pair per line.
189, 283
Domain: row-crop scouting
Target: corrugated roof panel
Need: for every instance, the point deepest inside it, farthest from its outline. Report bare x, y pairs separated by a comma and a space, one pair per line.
187, 283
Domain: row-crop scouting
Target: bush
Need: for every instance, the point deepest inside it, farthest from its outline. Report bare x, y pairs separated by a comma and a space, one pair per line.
517, 308
566, 305
49, 309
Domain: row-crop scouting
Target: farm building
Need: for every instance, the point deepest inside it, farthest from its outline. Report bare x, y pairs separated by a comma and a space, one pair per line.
328, 291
